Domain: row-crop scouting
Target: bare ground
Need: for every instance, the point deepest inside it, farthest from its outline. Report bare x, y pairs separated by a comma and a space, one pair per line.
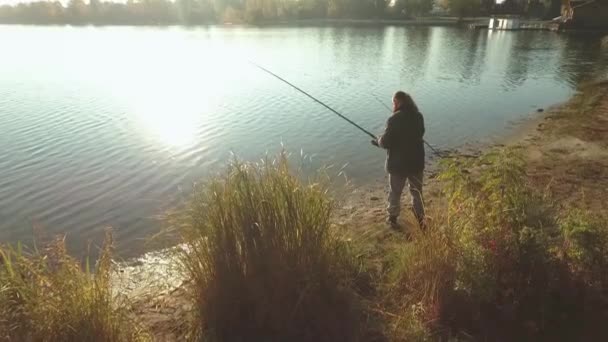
568, 153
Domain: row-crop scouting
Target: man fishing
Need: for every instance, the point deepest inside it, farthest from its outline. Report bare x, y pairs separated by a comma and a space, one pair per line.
403, 140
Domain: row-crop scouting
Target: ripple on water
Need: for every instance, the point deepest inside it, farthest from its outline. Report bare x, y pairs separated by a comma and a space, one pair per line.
96, 139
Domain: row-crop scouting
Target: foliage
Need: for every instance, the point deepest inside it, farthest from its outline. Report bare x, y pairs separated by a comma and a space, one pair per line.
585, 245
263, 262
498, 219
188, 12
462, 8
192, 12
46, 296
413, 8
499, 261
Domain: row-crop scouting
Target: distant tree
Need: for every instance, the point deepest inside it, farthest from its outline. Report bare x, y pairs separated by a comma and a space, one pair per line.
486, 7
313, 9
420, 7
233, 15
463, 8
192, 12
511, 7
254, 11
77, 11
553, 9
413, 8
535, 8
94, 7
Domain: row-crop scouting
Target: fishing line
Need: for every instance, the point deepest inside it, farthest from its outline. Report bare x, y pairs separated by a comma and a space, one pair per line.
315, 99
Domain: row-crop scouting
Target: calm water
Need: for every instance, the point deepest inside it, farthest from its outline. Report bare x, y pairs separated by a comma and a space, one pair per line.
110, 126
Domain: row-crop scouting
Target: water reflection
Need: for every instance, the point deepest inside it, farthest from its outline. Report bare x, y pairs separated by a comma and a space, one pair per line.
172, 118
472, 67
583, 58
94, 137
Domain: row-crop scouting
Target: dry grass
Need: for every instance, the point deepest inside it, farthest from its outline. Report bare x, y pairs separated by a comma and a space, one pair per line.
420, 273
46, 296
502, 262
263, 262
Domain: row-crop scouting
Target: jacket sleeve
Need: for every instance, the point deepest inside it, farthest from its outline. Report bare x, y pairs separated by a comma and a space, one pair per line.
387, 138
421, 125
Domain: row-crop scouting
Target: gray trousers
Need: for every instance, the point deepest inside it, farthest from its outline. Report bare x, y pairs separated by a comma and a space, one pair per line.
397, 183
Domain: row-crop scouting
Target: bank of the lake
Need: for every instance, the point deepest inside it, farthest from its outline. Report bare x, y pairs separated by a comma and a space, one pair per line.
419, 21
566, 154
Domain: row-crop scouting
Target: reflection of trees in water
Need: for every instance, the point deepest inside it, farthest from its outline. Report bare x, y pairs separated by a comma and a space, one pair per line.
516, 71
472, 66
452, 50
414, 54
346, 60
356, 49
460, 55
584, 58
570, 59
399, 61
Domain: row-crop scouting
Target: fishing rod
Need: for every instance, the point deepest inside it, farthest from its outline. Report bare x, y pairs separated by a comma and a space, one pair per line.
427, 144
316, 100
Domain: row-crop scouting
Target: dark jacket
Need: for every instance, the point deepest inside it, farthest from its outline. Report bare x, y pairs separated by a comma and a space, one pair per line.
402, 139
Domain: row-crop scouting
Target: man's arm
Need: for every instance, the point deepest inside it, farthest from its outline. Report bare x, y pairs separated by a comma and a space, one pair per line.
386, 139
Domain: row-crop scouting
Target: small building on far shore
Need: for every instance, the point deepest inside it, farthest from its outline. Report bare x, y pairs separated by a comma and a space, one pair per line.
585, 14
504, 23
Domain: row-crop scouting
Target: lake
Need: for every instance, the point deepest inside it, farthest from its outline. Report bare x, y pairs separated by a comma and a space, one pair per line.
111, 126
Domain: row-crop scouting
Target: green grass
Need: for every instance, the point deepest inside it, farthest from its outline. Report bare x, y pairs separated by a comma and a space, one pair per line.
46, 296
263, 261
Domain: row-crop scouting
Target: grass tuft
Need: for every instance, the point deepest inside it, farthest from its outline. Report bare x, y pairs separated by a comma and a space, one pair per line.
263, 261
46, 296
420, 274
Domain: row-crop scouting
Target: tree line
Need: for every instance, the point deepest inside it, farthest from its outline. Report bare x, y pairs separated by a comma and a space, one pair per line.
194, 12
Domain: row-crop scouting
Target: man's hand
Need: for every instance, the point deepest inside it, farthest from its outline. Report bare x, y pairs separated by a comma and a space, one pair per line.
375, 142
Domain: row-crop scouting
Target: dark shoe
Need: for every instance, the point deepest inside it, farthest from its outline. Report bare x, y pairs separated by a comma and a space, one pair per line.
392, 221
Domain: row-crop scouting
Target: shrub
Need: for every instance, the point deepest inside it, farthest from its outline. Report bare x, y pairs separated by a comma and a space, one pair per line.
500, 262
583, 248
263, 261
585, 244
500, 223
46, 296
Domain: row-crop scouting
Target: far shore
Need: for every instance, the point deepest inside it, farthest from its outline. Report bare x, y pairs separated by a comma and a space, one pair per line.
417, 21
420, 21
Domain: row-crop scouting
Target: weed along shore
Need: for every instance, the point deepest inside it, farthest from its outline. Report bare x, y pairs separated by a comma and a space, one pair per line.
516, 248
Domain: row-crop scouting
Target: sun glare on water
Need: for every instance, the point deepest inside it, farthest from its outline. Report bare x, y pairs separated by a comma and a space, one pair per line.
172, 118
173, 104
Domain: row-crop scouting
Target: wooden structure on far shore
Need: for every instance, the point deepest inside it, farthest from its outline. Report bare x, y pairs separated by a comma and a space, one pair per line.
513, 22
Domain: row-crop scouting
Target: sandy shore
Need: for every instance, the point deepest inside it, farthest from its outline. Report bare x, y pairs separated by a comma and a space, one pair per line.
566, 149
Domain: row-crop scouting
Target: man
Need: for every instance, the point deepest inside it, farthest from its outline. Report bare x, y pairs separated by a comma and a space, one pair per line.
403, 140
